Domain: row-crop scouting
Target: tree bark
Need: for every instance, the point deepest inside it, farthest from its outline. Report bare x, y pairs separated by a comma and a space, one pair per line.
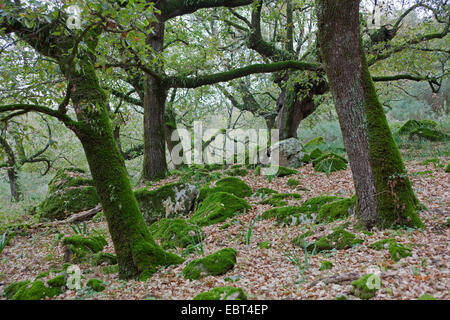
384, 192
155, 95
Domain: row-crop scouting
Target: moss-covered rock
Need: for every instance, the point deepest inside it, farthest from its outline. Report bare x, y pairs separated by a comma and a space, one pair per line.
314, 204
304, 213
428, 134
330, 162
70, 191
231, 185
412, 125
173, 200
96, 285
316, 153
426, 296
339, 209
277, 200
217, 207
222, 293
57, 282
292, 182
104, 257
264, 192
11, 289
313, 143
35, 291
291, 215
80, 248
366, 286
284, 171
326, 265
396, 250
214, 264
176, 233
339, 239
237, 172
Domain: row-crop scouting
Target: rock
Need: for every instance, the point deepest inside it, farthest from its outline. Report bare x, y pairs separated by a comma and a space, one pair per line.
396, 250
214, 264
70, 191
428, 134
96, 285
330, 162
339, 209
412, 125
217, 207
222, 293
173, 200
277, 200
80, 248
291, 153
232, 185
176, 233
35, 291
366, 286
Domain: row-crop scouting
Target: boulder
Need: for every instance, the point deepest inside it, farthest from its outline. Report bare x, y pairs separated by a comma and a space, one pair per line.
173, 200
217, 207
222, 293
291, 153
214, 264
70, 191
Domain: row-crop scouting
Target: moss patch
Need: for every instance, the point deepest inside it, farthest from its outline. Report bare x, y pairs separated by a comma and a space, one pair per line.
96, 285
330, 162
364, 287
222, 293
277, 200
176, 233
292, 183
35, 291
412, 125
339, 239
214, 264
396, 250
70, 191
325, 265
283, 171
231, 185
217, 207
336, 210
264, 192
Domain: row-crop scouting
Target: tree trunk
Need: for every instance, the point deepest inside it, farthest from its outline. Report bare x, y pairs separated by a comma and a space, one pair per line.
295, 103
384, 192
137, 252
16, 195
155, 95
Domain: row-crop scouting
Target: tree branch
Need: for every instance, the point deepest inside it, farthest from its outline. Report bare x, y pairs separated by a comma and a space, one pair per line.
195, 82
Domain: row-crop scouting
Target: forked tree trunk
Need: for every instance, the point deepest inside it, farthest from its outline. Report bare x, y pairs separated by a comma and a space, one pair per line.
384, 192
295, 103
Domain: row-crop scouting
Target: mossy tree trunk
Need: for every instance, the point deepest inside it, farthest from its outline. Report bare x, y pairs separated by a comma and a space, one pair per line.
11, 164
137, 253
384, 192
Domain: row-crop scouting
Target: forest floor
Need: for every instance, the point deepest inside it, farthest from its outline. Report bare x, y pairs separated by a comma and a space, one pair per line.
267, 273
